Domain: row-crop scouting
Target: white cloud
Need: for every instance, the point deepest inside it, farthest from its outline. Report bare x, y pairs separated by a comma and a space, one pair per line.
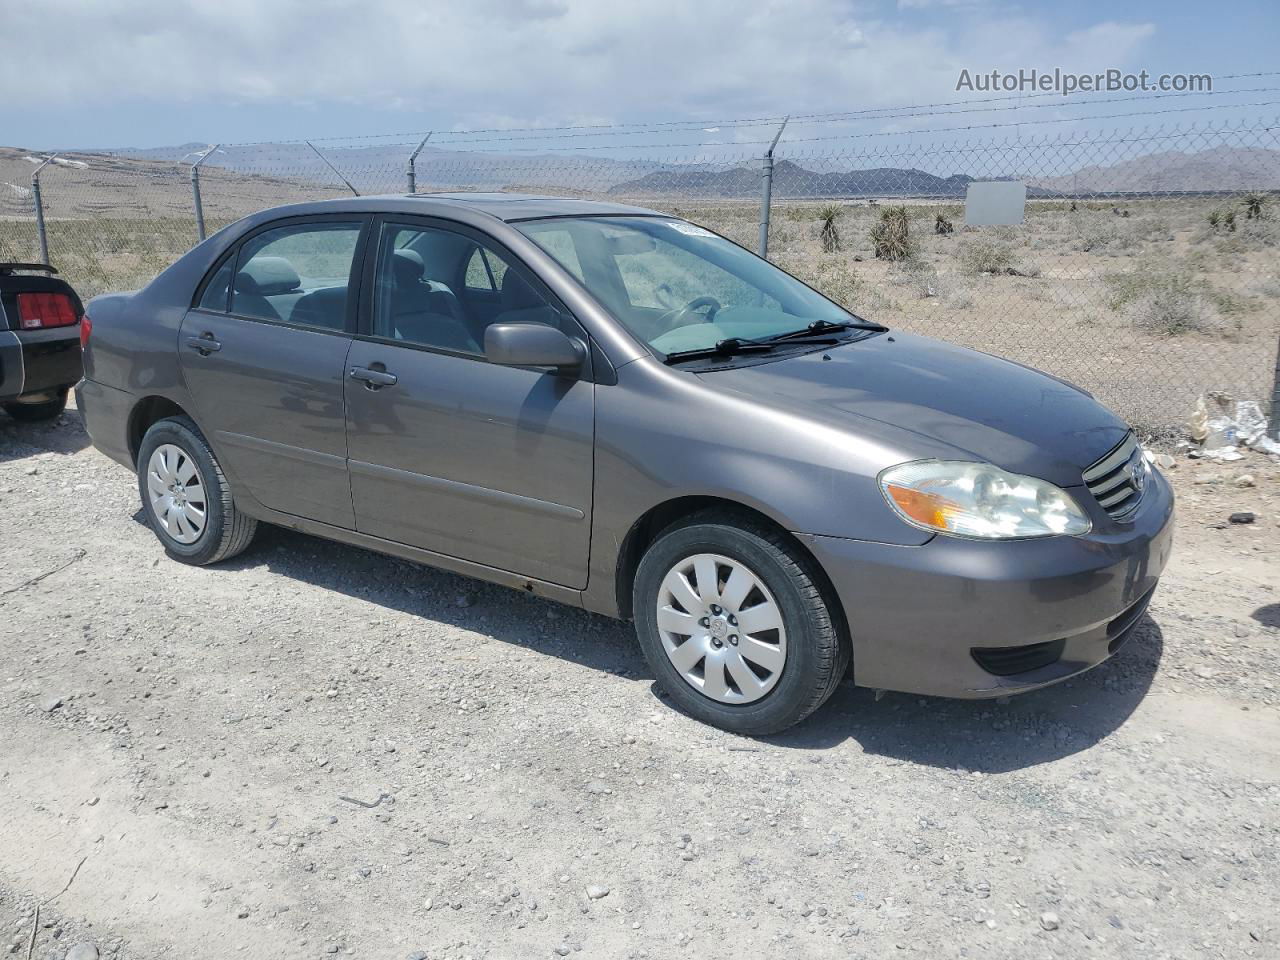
517, 62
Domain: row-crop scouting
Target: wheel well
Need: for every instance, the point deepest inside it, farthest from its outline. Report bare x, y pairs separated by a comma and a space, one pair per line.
146, 412
646, 530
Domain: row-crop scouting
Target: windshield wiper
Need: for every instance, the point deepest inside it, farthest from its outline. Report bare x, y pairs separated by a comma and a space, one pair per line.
820, 327
723, 348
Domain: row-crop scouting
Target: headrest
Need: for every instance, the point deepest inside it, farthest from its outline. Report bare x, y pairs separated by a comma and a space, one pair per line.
267, 276
407, 266
517, 294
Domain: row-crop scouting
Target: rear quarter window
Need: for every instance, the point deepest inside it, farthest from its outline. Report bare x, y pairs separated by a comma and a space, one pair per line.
218, 289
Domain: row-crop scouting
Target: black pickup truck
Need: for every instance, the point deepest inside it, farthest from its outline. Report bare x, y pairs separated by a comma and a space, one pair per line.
41, 324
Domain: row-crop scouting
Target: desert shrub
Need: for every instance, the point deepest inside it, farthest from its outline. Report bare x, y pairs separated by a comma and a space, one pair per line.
919, 276
830, 232
1221, 220
1166, 301
1254, 204
1153, 227
835, 278
942, 226
1094, 235
890, 237
1256, 234
1169, 309
985, 255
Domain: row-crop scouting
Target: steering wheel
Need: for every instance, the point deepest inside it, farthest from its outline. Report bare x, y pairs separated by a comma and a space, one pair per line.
681, 317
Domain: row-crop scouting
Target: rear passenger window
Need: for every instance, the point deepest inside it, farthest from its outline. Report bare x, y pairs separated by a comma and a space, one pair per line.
297, 274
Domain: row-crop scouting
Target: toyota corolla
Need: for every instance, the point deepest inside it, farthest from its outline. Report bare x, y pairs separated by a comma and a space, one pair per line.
618, 409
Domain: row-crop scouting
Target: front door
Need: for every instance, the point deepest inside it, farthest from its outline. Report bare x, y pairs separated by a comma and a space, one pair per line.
451, 453
264, 355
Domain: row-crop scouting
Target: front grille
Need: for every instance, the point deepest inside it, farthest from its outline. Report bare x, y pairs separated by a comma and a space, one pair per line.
1117, 480
1007, 661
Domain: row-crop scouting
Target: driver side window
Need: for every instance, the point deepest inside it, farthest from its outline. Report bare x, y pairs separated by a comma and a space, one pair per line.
441, 289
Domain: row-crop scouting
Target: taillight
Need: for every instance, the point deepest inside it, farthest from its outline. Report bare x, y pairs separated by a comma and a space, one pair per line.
36, 311
86, 328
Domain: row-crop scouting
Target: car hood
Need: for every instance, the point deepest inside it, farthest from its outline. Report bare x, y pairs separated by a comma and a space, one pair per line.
979, 406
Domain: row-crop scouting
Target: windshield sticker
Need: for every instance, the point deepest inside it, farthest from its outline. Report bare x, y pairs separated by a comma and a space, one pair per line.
689, 229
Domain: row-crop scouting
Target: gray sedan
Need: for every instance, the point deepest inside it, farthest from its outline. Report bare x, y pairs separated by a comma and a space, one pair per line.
621, 410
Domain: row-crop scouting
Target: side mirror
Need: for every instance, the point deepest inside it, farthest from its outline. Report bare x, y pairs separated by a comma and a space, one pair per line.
532, 345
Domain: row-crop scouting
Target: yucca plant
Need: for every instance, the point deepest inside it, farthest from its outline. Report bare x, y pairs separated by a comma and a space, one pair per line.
942, 226
890, 239
1222, 220
830, 232
1253, 203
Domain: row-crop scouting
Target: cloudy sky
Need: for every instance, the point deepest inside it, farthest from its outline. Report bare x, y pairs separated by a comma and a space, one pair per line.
114, 73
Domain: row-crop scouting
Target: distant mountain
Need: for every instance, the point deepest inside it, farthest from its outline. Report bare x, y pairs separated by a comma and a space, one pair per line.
1221, 168
156, 177
794, 181
381, 168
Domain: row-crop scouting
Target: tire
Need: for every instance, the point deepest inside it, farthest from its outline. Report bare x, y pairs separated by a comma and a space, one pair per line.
225, 531
36, 412
815, 651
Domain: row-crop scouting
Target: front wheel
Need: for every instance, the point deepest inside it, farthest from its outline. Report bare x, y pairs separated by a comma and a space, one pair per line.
186, 497
735, 625
37, 412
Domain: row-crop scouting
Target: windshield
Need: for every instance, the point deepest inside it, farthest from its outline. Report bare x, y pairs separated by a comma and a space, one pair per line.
677, 286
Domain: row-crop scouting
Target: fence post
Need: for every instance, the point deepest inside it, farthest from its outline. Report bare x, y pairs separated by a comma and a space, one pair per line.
766, 195
195, 190
39, 202
413, 181
1275, 397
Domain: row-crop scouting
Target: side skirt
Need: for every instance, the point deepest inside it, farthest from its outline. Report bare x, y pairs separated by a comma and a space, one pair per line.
428, 558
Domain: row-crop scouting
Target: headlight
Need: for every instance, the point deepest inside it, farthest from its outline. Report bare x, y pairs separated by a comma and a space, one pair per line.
980, 501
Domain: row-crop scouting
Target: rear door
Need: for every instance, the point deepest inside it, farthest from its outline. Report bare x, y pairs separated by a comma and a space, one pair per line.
449, 452
264, 354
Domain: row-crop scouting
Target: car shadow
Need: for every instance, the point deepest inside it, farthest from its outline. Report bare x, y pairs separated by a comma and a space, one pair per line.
987, 736
63, 435
510, 616
1268, 615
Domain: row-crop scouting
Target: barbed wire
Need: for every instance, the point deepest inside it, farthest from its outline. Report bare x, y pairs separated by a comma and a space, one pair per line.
777, 118
893, 116
882, 133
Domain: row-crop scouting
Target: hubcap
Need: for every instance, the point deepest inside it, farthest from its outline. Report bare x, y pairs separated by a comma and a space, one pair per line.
721, 628
177, 493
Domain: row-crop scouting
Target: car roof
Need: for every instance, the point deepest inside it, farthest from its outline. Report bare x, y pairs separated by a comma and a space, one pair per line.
504, 206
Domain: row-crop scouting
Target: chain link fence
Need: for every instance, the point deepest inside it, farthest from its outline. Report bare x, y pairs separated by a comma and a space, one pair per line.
1146, 268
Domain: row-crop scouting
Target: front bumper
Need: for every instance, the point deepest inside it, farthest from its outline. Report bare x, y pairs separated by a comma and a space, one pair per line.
917, 614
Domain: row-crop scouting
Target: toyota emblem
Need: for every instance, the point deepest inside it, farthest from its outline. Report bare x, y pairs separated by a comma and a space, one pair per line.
1138, 471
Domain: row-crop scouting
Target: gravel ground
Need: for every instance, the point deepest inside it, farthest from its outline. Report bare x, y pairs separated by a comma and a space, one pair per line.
313, 750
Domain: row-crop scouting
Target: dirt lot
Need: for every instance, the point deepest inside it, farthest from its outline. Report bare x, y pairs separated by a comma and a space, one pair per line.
189, 738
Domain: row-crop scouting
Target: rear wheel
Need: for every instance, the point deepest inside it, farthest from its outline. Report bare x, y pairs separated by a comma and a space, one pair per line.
36, 412
186, 497
734, 624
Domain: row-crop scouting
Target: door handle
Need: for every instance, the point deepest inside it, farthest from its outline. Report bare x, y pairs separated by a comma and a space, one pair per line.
374, 379
204, 344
